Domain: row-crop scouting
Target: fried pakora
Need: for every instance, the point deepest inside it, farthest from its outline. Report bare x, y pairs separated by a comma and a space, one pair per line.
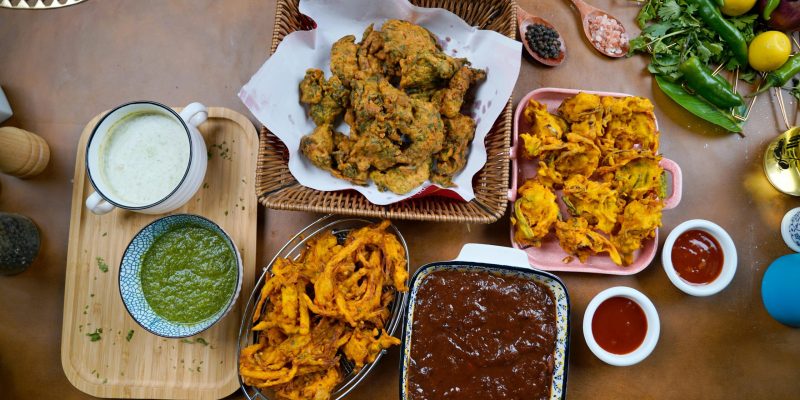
638, 222
401, 96
535, 212
578, 239
596, 202
602, 153
331, 302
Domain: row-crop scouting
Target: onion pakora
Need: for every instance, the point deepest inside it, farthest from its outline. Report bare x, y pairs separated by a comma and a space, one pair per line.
599, 156
331, 302
535, 212
401, 96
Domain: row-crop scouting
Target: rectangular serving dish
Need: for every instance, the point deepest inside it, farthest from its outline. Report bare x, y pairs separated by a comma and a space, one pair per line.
145, 365
550, 256
276, 188
558, 387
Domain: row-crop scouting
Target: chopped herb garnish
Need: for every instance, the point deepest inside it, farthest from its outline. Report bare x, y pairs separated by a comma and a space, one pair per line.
95, 336
129, 336
102, 264
201, 341
105, 234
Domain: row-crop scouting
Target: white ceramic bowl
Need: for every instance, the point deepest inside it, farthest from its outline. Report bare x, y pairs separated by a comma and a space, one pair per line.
650, 338
728, 265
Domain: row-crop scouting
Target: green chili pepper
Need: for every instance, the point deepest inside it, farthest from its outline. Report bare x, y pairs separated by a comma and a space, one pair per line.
781, 76
711, 87
710, 14
720, 3
697, 106
769, 8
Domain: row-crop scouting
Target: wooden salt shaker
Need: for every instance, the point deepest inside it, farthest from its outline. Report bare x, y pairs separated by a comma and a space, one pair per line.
22, 154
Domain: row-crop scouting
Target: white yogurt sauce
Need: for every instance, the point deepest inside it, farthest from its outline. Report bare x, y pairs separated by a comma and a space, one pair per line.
143, 157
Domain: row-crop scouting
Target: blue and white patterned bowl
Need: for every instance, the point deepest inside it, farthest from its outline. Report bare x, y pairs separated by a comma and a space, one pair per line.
130, 284
790, 229
558, 387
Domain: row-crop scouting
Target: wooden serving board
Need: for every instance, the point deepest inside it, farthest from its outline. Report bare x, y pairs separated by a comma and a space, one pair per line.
145, 365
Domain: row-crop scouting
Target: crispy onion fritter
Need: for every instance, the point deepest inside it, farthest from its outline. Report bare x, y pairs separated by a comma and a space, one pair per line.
331, 302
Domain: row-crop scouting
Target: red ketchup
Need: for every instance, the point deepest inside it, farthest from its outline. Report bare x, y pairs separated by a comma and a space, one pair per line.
619, 325
697, 257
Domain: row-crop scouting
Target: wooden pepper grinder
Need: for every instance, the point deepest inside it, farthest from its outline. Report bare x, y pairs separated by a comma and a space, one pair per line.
22, 154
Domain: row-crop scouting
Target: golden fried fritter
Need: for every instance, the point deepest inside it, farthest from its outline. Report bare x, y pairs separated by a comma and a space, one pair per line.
596, 202
547, 130
395, 90
403, 178
318, 146
535, 211
326, 99
459, 132
332, 301
580, 107
580, 156
577, 239
451, 99
638, 221
344, 61
635, 177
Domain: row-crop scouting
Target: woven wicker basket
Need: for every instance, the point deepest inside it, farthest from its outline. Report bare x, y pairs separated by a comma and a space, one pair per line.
278, 189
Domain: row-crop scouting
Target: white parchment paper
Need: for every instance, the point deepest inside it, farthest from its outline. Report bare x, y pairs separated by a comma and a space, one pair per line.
273, 94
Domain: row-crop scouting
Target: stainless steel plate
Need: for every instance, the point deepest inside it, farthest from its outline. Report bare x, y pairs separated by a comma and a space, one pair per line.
292, 250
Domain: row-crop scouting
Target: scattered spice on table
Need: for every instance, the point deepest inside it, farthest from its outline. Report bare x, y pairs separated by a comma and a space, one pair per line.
543, 40
101, 263
607, 34
96, 335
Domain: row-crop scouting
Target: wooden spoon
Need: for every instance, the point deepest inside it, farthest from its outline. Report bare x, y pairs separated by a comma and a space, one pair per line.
587, 11
523, 20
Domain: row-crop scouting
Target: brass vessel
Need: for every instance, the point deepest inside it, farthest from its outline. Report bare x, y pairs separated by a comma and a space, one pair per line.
781, 162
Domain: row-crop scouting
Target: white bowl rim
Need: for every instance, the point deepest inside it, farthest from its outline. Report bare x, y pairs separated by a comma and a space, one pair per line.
650, 338
728, 266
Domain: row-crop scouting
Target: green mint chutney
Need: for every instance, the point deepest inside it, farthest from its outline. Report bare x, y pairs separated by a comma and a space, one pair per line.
188, 274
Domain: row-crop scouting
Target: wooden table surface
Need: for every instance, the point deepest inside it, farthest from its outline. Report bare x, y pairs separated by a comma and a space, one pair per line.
59, 68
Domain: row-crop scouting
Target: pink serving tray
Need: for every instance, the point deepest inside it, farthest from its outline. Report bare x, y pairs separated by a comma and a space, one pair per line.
550, 255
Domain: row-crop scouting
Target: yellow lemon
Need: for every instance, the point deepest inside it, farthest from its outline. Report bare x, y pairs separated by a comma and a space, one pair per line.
737, 7
769, 50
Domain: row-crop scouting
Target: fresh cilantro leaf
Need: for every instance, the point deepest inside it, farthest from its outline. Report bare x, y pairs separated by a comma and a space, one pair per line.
670, 10
656, 30
646, 13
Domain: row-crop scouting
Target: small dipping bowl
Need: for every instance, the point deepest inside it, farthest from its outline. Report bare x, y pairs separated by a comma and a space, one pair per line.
790, 229
728, 252
651, 335
130, 282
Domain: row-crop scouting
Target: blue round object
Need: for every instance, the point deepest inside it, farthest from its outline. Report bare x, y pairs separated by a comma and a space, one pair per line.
780, 290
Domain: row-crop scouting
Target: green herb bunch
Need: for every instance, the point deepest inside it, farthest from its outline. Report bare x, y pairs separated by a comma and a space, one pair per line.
672, 32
